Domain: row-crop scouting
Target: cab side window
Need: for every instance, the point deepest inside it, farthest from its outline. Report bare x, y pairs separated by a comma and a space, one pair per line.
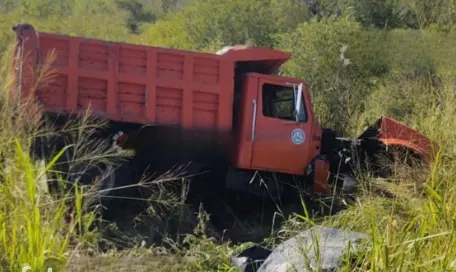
278, 102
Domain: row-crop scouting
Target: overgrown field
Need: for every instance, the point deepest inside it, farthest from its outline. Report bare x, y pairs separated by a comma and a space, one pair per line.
362, 59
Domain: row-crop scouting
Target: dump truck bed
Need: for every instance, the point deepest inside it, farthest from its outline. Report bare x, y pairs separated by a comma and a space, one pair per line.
138, 84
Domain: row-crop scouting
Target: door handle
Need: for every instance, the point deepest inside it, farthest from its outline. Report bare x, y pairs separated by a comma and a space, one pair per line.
254, 119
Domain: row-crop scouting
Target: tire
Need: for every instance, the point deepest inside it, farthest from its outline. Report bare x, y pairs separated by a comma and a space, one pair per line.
112, 190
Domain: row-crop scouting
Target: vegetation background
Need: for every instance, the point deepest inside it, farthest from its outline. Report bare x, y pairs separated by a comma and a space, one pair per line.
361, 58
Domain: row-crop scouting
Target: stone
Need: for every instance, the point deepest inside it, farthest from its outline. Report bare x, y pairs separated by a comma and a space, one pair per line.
300, 253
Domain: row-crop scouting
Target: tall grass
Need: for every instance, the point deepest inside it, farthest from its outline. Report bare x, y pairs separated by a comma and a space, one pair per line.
41, 231
410, 217
36, 229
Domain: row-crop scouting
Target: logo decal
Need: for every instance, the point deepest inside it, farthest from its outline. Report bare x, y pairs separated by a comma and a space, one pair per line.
298, 136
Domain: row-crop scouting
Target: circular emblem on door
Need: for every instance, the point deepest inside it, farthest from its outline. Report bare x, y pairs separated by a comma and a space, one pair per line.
298, 136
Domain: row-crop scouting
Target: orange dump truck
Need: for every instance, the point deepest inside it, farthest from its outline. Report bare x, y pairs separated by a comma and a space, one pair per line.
225, 112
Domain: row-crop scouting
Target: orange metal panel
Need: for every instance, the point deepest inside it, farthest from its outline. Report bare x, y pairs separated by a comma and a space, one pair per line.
320, 185
133, 83
393, 132
243, 141
270, 59
272, 141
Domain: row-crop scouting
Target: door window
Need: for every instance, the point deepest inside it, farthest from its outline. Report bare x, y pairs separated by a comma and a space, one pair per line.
279, 103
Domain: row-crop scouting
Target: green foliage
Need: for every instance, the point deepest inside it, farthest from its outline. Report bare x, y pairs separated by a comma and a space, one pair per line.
209, 25
379, 62
141, 13
381, 14
333, 57
90, 18
36, 230
387, 14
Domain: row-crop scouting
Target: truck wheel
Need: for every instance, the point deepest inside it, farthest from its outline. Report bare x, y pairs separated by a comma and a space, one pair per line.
107, 182
113, 189
108, 190
209, 190
42, 151
295, 196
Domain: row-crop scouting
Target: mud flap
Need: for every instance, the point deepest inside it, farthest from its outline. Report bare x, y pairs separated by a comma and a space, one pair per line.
321, 175
322, 178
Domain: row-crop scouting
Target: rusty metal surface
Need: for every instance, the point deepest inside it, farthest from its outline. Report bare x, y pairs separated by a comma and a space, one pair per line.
393, 132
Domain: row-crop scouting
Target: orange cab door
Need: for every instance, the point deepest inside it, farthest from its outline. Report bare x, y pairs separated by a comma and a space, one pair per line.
280, 143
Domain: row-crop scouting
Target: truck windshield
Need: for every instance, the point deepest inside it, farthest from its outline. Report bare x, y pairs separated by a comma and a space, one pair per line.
278, 102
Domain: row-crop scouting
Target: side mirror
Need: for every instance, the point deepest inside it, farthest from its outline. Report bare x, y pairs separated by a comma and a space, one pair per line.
298, 103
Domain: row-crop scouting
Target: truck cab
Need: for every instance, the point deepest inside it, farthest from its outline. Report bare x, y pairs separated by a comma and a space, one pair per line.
277, 130
274, 124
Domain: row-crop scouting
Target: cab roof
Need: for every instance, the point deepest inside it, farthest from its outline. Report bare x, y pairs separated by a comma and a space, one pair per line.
266, 59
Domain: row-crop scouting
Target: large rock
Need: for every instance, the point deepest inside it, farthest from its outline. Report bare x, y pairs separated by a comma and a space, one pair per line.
302, 254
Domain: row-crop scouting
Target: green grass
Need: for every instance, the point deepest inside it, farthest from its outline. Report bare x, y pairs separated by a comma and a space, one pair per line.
36, 230
413, 229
